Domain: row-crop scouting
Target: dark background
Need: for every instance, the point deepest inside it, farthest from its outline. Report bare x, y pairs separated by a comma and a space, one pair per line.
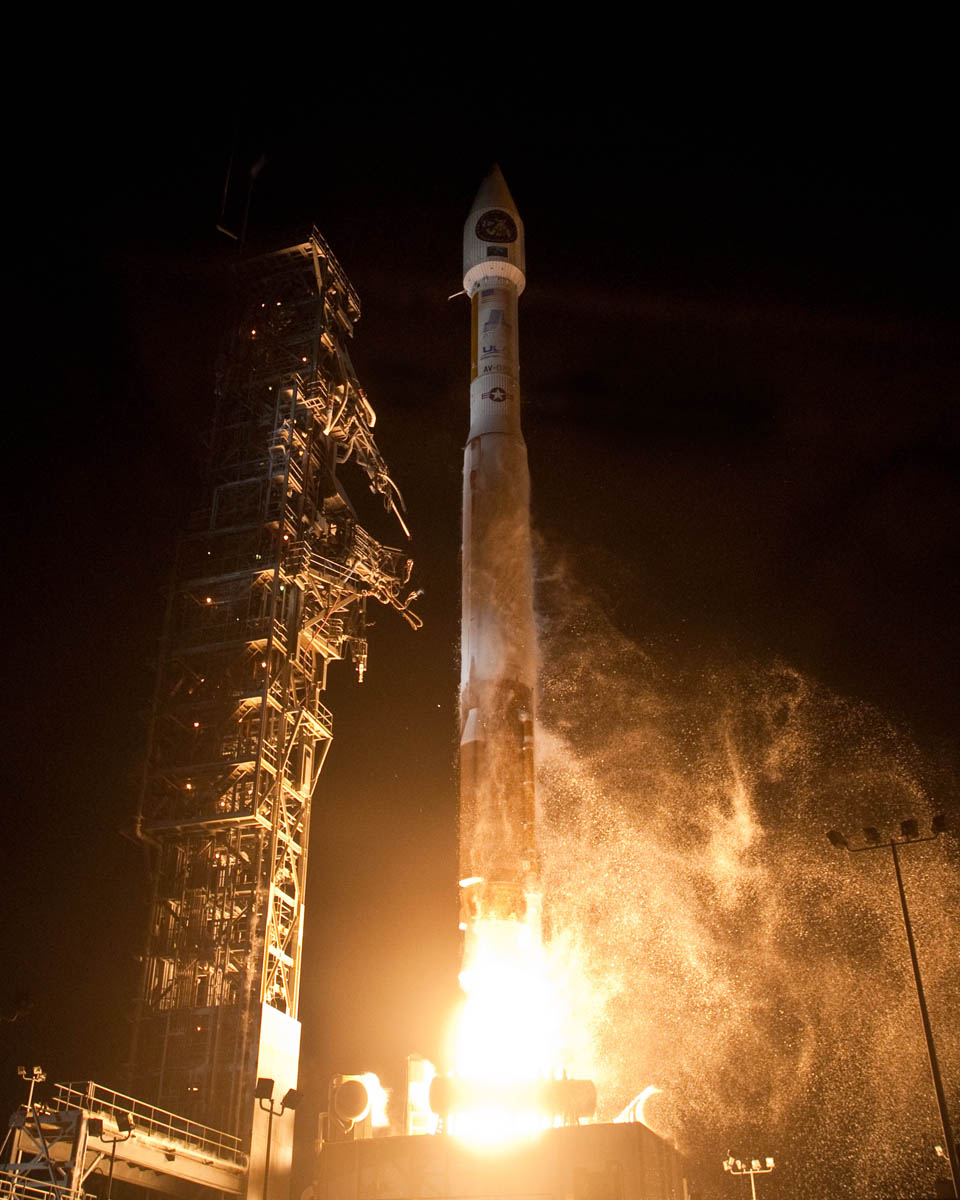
739, 363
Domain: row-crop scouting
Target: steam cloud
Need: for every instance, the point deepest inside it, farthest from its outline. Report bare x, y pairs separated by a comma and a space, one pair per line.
710, 939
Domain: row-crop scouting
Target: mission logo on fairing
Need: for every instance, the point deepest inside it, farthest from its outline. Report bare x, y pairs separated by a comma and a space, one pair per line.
496, 226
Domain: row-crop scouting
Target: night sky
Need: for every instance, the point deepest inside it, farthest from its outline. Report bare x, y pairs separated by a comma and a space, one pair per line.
739, 363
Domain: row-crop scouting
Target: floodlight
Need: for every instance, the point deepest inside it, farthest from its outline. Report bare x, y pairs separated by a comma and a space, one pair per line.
351, 1101
910, 828
124, 1121
264, 1089
837, 839
770, 1164
940, 823
872, 834
755, 1163
95, 1127
291, 1098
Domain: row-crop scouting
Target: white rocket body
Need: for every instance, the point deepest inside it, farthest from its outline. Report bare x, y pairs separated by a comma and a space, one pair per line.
498, 858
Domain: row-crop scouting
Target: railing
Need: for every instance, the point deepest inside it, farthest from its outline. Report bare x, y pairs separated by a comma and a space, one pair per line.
320, 711
334, 269
315, 706
329, 569
385, 560
93, 1098
13, 1184
231, 631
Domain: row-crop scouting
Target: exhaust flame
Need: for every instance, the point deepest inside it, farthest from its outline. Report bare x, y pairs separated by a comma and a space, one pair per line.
510, 1042
379, 1098
633, 1114
508, 1037
511, 1021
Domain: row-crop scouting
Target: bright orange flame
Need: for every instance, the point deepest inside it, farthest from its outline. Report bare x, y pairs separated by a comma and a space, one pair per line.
379, 1096
510, 1028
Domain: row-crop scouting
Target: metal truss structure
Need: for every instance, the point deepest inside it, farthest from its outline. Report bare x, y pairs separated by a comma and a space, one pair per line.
271, 587
89, 1130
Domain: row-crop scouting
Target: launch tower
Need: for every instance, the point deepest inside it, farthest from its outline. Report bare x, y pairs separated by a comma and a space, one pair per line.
271, 586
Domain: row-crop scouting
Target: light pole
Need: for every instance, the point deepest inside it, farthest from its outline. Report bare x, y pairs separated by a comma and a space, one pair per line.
911, 833
37, 1075
124, 1132
264, 1095
751, 1168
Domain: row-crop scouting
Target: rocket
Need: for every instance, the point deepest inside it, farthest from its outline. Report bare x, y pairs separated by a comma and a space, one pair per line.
498, 660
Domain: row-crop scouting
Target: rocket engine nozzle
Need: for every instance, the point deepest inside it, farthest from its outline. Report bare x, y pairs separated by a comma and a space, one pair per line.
500, 899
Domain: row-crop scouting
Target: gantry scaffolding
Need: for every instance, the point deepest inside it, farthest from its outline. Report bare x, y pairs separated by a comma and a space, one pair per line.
271, 587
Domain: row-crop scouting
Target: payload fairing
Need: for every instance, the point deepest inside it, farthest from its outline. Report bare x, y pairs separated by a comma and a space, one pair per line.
498, 853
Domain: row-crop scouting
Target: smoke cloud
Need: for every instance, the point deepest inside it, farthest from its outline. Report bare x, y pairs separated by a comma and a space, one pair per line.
710, 940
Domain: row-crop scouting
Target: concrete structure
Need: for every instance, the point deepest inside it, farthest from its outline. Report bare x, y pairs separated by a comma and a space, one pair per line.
587, 1162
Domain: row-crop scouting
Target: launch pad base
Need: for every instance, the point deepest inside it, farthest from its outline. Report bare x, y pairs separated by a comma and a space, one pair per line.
586, 1162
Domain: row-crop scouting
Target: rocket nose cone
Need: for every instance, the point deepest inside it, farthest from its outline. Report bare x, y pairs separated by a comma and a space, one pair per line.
493, 192
493, 235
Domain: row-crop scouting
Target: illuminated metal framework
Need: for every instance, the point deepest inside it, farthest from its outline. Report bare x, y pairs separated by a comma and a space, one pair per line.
271, 587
